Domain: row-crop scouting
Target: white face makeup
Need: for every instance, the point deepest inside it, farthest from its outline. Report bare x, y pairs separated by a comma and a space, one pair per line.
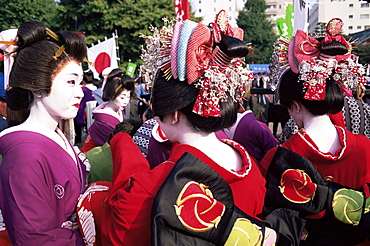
121, 101
66, 92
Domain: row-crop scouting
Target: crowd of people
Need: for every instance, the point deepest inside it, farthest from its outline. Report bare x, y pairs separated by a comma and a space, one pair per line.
196, 164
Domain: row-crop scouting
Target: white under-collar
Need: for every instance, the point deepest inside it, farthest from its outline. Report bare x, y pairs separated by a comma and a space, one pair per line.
107, 110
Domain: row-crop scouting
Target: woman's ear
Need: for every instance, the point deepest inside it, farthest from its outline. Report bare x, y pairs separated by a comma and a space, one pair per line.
175, 116
296, 107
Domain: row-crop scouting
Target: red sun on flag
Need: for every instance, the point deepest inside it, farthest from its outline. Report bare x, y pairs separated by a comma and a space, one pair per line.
103, 55
102, 61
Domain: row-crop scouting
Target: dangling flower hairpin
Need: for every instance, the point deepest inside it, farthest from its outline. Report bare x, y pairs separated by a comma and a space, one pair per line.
188, 51
308, 57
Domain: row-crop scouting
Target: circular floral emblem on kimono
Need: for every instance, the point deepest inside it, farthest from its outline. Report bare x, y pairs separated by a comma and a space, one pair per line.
348, 206
197, 209
59, 191
244, 232
296, 186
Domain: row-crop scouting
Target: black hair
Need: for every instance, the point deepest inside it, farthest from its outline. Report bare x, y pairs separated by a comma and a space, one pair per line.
333, 48
117, 81
171, 95
129, 125
291, 89
233, 47
88, 76
34, 66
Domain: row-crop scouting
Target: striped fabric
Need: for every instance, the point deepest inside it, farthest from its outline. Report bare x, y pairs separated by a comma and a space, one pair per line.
187, 30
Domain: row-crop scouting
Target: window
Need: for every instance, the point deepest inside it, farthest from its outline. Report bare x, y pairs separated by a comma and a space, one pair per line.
200, 1
229, 8
364, 5
351, 5
200, 11
364, 16
350, 16
358, 27
350, 27
366, 27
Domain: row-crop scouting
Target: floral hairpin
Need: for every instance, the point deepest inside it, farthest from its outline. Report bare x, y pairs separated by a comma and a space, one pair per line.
156, 53
305, 56
187, 51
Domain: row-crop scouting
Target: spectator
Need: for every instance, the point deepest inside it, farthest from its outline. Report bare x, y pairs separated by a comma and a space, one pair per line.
88, 88
116, 94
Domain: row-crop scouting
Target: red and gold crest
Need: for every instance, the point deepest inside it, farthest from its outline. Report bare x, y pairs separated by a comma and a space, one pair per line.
197, 209
296, 186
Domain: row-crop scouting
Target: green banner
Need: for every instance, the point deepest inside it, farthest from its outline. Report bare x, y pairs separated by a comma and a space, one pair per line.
130, 70
289, 16
285, 25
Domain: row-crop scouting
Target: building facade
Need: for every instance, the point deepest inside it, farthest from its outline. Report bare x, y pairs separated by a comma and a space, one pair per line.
354, 14
209, 8
276, 9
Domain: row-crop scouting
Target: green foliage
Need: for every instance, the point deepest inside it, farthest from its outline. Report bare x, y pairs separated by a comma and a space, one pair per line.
257, 31
364, 52
14, 12
95, 18
127, 18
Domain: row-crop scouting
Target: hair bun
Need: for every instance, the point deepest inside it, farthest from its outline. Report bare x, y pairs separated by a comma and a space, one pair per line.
30, 32
233, 47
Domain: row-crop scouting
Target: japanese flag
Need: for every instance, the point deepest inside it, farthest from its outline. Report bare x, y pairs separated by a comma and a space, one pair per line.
103, 55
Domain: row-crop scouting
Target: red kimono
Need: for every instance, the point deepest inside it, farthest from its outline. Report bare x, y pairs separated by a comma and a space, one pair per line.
127, 214
349, 166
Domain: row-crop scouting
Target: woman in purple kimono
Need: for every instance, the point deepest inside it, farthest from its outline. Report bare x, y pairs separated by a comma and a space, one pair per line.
116, 94
41, 177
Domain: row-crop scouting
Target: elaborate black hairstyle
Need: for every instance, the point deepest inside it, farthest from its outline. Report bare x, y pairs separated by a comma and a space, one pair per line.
173, 94
291, 89
117, 81
36, 62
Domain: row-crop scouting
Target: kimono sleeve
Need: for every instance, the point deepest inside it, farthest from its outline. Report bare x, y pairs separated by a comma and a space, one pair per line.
28, 202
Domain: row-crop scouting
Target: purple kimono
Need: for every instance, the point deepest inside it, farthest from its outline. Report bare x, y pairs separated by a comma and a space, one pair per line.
101, 128
88, 96
254, 135
40, 184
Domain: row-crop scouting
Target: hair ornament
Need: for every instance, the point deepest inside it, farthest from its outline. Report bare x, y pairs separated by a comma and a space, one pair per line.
59, 52
189, 51
52, 34
120, 84
315, 62
157, 45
